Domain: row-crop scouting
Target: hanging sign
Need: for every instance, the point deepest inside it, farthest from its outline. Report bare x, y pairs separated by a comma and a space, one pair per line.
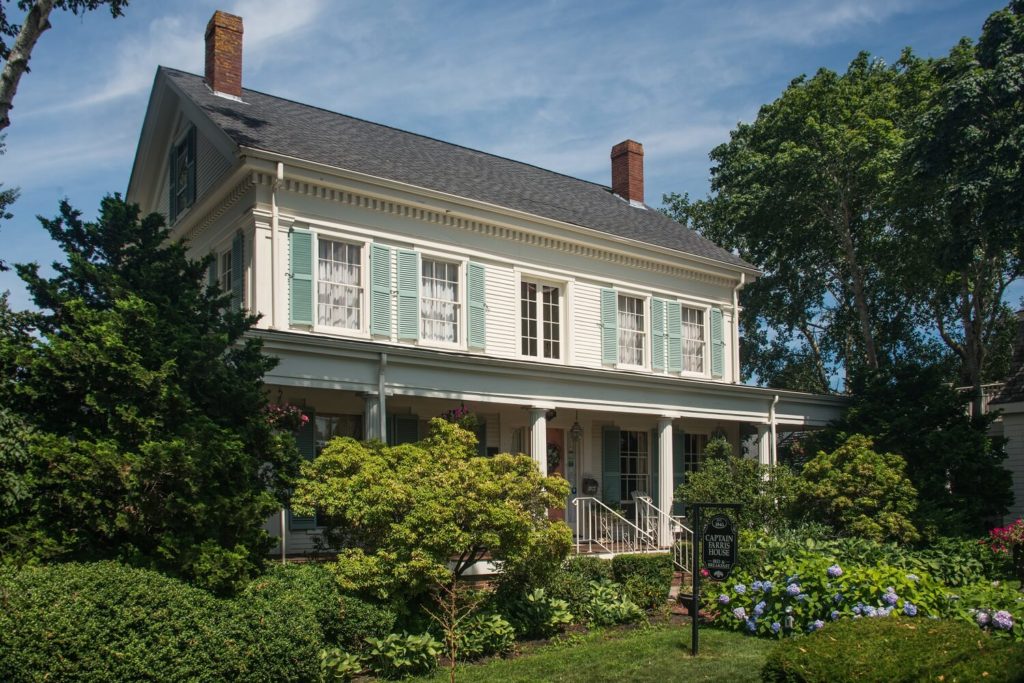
719, 547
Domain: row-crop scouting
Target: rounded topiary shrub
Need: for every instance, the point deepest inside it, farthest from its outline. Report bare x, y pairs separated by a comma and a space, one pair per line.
107, 622
895, 649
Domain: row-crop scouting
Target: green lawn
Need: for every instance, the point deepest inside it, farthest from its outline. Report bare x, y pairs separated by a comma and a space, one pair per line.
660, 654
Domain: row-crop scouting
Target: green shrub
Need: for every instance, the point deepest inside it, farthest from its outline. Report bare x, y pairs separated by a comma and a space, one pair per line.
572, 582
485, 634
608, 605
895, 650
337, 665
537, 615
647, 579
104, 621
360, 619
401, 655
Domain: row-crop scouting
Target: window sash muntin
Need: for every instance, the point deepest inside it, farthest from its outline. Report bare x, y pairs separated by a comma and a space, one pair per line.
540, 320
440, 306
340, 288
693, 339
634, 470
632, 330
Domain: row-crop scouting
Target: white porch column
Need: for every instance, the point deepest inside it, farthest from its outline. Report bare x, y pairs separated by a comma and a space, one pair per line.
764, 453
539, 439
665, 479
371, 418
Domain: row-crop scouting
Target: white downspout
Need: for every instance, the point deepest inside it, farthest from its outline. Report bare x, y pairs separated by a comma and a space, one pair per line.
736, 328
380, 397
773, 455
275, 309
284, 524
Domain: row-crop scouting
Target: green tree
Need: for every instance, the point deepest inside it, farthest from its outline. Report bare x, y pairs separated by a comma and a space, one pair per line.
962, 224
860, 492
400, 514
802, 192
150, 442
765, 492
956, 467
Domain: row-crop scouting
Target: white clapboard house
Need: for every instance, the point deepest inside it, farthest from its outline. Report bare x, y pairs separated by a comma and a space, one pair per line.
399, 276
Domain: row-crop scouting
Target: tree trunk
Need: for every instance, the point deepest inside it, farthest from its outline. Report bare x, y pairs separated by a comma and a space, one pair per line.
859, 298
36, 22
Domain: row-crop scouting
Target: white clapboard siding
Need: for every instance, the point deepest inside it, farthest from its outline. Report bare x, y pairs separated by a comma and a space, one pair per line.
502, 311
1013, 431
585, 325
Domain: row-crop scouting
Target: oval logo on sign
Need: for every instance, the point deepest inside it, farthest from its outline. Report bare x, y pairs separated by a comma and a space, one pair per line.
719, 522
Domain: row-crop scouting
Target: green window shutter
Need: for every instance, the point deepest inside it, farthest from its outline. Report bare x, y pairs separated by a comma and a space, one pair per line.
654, 493
300, 292
211, 272
408, 294
237, 272
380, 290
658, 334
675, 336
403, 429
610, 466
305, 439
477, 309
678, 446
717, 343
609, 327
191, 156
481, 438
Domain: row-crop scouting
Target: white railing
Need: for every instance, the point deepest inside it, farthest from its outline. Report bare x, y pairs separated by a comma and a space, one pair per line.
601, 529
650, 517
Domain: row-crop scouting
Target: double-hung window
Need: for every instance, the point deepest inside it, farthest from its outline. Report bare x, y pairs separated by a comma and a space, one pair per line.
633, 461
632, 333
439, 301
693, 452
182, 180
226, 272
693, 340
339, 285
540, 315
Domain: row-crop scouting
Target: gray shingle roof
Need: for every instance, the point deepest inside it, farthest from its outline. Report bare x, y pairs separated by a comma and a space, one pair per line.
277, 125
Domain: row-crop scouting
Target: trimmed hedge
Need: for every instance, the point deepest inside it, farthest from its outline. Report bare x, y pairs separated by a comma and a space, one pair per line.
891, 649
104, 621
572, 582
647, 579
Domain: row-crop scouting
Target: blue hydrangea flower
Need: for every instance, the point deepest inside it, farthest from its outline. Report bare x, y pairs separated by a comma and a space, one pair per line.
910, 609
857, 609
982, 618
837, 598
835, 571
890, 598
792, 579
883, 612
723, 599
766, 586
834, 615
1002, 620
802, 597
815, 625
740, 588
759, 608
757, 585
869, 611
913, 577
776, 627
752, 625
740, 613
793, 589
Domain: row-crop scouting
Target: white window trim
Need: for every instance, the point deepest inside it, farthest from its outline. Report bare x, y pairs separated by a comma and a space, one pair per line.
646, 303
364, 250
523, 275
462, 344
706, 309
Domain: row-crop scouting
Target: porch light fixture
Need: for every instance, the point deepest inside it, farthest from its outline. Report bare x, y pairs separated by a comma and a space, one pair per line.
576, 431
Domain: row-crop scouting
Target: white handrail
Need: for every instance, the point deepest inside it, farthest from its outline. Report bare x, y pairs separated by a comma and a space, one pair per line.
680, 536
599, 525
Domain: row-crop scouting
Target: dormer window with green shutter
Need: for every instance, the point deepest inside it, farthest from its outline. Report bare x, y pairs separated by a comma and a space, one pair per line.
182, 175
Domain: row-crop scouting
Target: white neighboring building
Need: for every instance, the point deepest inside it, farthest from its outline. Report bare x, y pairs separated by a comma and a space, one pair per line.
1010, 401
400, 276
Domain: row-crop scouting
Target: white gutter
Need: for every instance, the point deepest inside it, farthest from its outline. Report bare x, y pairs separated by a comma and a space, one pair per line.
276, 322
773, 455
736, 328
380, 397
284, 525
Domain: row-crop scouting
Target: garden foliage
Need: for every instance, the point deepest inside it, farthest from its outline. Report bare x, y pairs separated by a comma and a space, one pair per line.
399, 514
896, 649
859, 492
646, 579
145, 400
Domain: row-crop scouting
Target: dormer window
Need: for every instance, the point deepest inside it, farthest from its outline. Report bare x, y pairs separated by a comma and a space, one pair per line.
183, 175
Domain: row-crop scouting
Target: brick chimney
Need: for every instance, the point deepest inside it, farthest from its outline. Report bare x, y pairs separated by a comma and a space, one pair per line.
628, 171
224, 54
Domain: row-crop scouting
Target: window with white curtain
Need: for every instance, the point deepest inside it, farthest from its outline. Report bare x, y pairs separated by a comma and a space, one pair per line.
439, 301
225, 272
339, 285
693, 340
631, 330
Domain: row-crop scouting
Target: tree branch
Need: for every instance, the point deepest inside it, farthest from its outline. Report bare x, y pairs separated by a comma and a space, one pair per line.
36, 22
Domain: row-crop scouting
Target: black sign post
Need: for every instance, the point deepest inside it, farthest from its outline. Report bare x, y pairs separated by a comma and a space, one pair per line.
718, 545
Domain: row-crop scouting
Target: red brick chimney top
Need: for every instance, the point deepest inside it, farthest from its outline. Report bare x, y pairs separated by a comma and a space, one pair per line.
224, 54
628, 171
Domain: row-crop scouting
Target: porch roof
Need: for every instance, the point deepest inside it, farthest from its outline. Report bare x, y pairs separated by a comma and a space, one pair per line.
355, 365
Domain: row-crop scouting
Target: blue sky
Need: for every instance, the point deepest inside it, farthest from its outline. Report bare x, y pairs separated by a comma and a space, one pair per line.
551, 83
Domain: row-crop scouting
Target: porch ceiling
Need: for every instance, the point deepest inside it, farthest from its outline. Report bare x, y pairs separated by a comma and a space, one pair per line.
352, 365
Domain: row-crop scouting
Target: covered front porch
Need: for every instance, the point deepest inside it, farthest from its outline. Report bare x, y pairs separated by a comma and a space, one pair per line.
623, 440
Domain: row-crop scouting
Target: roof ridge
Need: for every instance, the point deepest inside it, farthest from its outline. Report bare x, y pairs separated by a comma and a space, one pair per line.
402, 130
